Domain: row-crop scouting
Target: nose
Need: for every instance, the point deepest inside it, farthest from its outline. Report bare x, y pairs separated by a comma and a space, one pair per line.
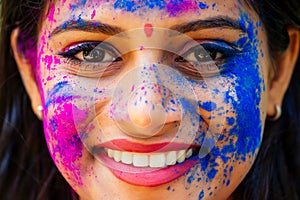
150, 108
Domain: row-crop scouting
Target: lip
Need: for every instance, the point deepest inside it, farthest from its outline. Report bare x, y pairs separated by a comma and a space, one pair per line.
148, 177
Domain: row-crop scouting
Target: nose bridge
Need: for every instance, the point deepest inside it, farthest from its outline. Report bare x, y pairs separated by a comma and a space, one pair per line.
144, 57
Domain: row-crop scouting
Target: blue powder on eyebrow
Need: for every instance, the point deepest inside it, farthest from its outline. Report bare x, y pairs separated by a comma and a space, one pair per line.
79, 20
202, 5
64, 25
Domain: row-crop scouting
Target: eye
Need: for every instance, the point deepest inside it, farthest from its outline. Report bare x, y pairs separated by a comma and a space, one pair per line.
92, 52
204, 60
199, 55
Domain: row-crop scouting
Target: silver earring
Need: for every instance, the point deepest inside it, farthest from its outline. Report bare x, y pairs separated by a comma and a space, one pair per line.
277, 114
40, 108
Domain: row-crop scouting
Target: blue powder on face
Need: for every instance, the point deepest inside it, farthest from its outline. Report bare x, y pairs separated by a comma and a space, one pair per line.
230, 120
173, 7
201, 195
228, 182
213, 6
61, 92
209, 106
212, 173
245, 134
126, 5
56, 88
132, 6
203, 5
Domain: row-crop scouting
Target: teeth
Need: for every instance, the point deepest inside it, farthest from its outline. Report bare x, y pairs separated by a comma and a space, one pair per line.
117, 156
189, 153
155, 160
110, 153
140, 160
171, 158
181, 156
126, 158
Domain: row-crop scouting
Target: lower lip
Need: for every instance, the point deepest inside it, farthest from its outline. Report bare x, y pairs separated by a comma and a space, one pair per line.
147, 176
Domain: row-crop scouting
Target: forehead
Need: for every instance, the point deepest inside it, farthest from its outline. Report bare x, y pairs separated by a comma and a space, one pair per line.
138, 12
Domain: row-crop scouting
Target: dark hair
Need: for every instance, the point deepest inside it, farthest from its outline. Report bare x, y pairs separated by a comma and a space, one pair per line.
27, 170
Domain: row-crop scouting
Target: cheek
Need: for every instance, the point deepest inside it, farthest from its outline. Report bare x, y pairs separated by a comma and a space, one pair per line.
60, 125
61, 131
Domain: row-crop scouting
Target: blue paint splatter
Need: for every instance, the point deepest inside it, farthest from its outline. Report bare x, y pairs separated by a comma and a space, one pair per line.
230, 120
212, 173
202, 5
213, 6
209, 106
201, 195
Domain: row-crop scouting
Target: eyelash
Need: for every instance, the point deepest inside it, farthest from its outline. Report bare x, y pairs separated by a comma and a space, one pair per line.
91, 67
208, 67
193, 70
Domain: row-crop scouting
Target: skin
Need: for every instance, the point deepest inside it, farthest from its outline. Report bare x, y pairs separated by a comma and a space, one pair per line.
233, 108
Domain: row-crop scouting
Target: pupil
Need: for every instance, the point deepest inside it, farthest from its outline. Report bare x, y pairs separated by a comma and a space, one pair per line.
205, 56
93, 55
213, 55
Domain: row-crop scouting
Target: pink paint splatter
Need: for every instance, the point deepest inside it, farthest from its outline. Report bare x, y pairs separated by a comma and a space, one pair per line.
48, 61
65, 142
93, 14
51, 13
179, 7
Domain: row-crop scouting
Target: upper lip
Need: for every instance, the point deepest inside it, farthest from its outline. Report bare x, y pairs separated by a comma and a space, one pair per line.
126, 145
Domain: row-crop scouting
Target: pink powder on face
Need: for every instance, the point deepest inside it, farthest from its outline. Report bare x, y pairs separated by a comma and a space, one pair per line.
51, 13
64, 141
50, 61
177, 7
93, 14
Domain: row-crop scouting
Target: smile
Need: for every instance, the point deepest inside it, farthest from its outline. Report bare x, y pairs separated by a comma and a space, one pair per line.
147, 165
155, 160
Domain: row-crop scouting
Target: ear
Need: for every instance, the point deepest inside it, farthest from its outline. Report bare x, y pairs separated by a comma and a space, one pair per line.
27, 75
284, 67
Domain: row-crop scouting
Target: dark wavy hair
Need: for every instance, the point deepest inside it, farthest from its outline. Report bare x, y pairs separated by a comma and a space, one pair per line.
27, 170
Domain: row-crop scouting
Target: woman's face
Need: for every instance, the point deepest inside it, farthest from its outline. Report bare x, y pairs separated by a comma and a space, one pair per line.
153, 99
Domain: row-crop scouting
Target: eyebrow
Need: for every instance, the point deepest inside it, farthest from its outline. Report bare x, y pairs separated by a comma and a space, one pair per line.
99, 27
216, 22
88, 26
